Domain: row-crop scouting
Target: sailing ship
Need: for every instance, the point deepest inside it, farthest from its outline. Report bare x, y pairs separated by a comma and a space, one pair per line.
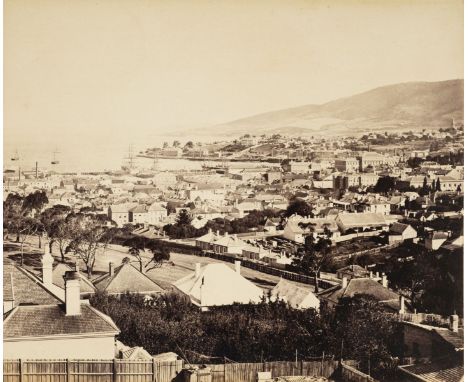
15, 157
129, 160
54, 158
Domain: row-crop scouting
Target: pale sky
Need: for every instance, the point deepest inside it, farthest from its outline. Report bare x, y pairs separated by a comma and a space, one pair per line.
74, 67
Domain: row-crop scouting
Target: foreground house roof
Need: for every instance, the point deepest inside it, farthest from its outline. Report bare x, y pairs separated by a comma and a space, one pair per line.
58, 272
51, 320
127, 278
24, 289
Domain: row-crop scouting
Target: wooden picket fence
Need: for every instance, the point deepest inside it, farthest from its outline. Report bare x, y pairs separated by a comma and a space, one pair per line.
151, 371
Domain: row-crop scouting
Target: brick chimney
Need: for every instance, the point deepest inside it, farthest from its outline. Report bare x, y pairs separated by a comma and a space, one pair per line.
402, 305
344, 282
384, 280
72, 293
454, 323
237, 266
111, 269
47, 262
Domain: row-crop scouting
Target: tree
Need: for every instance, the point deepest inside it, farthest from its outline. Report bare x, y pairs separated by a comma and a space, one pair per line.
165, 145
27, 227
315, 254
13, 213
189, 145
385, 184
17, 218
425, 188
161, 255
88, 237
437, 187
176, 144
136, 246
366, 333
55, 227
183, 218
35, 202
299, 207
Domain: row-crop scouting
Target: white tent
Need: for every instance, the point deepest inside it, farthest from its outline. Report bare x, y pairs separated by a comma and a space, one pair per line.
217, 284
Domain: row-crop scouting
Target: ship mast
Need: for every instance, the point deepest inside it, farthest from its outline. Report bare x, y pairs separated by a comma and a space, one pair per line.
130, 158
155, 162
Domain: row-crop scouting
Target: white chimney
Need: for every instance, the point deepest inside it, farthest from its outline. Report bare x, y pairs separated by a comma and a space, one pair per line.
402, 305
47, 262
454, 323
344, 282
384, 280
197, 269
111, 269
237, 266
371, 275
72, 293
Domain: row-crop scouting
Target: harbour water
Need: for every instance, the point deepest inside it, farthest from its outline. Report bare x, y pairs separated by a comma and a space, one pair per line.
76, 155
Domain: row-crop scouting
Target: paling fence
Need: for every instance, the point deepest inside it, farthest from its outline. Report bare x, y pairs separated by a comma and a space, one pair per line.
152, 371
90, 370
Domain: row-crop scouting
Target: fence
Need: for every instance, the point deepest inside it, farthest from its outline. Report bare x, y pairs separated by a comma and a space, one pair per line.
90, 370
427, 318
247, 372
350, 374
152, 371
292, 276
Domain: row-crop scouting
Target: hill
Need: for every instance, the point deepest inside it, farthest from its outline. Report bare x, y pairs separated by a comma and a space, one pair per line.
412, 105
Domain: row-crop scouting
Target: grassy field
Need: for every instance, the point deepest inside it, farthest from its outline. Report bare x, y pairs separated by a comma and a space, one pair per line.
164, 276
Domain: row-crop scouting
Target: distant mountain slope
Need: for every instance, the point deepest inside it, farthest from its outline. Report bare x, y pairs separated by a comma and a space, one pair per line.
415, 105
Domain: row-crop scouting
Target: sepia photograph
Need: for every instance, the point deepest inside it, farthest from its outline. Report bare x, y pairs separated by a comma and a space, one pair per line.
233, 191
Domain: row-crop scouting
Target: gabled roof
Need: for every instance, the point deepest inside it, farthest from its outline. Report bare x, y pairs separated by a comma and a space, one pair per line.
448, 369
437, 235
24, 289
156, 207
209, 237
455, 339
354, 270
127, 278
136, 352
362, 286
349, 220
230, 241
51, 320
291, 293
398, 228
217, 284
58, 272
138, 209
